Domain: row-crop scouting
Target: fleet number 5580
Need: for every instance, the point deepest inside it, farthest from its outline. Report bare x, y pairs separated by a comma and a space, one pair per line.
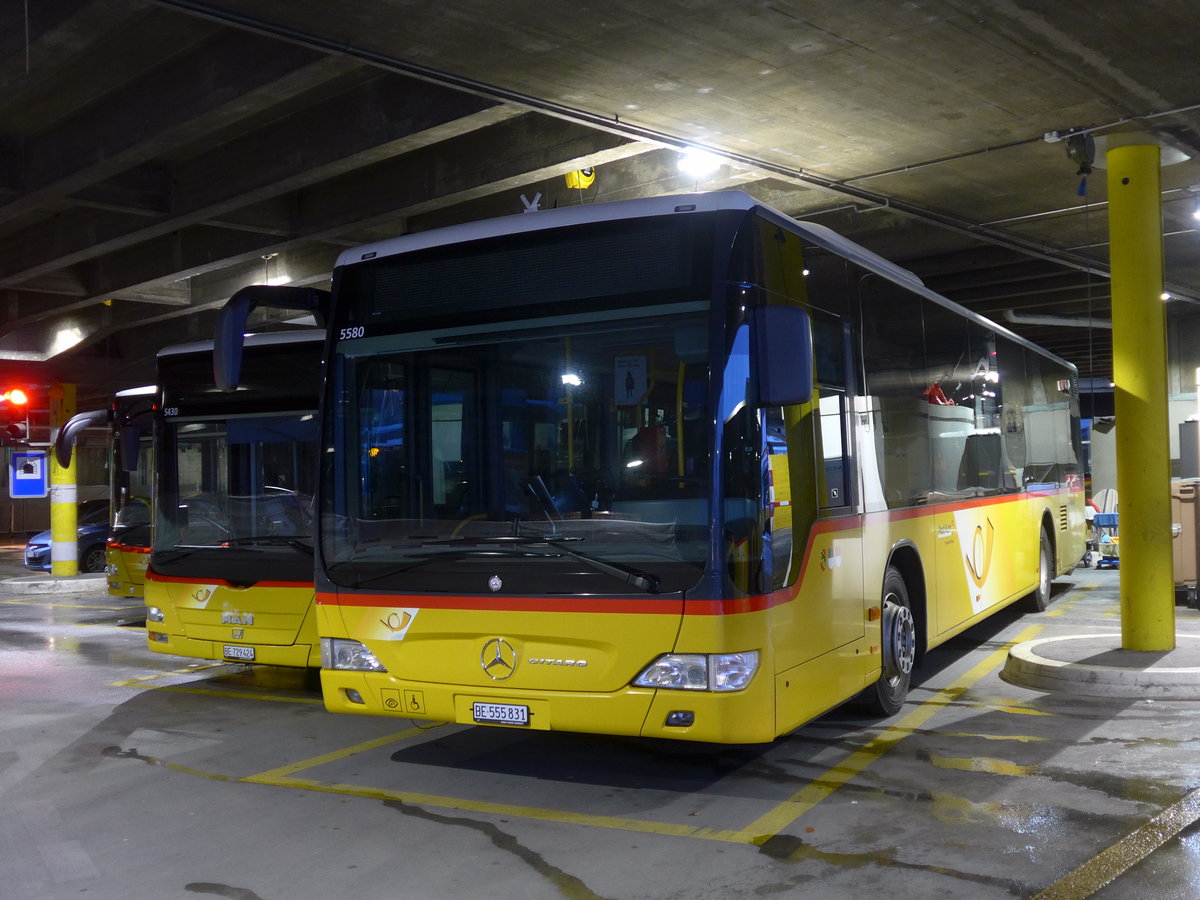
347, 334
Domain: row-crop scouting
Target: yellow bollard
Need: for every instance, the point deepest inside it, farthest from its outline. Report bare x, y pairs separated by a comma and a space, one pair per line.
1140, 379
64, 548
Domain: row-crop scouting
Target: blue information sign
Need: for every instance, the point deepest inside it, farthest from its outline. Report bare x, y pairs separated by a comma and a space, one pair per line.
28, 474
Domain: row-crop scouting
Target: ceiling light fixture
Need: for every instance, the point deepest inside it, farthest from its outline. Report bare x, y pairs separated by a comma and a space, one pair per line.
698, 163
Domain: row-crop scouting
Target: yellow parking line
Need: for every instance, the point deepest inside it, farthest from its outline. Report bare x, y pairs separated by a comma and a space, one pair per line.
1069, 601
281, 778
767, 826
504, 809
142, 679
374, 743
1117, 859
44, 601
757, 832
240, 695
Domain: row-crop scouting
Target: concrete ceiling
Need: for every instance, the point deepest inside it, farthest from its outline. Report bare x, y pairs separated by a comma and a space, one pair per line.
157, 156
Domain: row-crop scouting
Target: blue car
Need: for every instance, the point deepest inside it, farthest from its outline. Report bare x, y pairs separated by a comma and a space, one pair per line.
92, 525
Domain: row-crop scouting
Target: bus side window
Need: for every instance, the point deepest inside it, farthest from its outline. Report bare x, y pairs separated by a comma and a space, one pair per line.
834, 452
831, 342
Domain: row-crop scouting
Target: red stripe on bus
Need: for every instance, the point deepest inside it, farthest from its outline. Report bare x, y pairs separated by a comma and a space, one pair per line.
649, 606
126, 548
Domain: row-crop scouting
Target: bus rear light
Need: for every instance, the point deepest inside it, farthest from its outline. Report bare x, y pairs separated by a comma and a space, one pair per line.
700, 671
339, 653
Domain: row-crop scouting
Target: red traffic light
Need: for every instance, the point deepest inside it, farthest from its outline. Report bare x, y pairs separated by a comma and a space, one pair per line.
14, 416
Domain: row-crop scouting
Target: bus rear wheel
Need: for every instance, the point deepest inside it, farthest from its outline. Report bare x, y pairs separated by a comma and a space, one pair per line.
899, 647
1040, 598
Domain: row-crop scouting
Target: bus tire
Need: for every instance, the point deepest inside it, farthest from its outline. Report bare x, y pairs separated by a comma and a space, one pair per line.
898, 646
1039, 599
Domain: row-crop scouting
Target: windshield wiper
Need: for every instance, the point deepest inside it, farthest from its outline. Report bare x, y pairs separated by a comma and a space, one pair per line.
424, 561
630, 576
278, 540
171, 554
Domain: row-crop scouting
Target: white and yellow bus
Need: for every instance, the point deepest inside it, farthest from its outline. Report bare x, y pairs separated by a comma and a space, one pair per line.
680, 467
231, 565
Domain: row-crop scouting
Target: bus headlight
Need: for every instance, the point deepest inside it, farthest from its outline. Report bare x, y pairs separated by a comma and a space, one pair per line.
700, 671
154, 614
339, 653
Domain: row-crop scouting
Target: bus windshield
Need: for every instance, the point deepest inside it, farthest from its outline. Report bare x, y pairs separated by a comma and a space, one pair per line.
565, 454
242, 483
130, 490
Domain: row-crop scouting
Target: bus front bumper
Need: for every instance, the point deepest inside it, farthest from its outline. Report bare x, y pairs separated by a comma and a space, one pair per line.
297, 655
742, 717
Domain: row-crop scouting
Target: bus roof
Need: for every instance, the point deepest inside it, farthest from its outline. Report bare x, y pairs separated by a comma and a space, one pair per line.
143, 391
265, 339
712, 201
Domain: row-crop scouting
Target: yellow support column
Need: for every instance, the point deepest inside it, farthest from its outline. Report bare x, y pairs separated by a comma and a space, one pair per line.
64, 547
1140, 378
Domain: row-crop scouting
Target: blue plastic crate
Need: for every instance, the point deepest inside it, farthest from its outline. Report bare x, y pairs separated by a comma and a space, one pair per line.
1105, 520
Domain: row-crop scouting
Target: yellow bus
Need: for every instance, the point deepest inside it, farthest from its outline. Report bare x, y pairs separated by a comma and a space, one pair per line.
680, 468
129, 421
231, 564
131, 482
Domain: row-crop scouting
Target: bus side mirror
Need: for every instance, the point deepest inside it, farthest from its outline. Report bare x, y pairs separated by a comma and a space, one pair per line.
131, 447
64, 441
781, 342
227, 342
231, 323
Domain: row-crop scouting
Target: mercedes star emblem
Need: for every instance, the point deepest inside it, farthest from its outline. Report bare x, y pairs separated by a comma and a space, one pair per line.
499, 659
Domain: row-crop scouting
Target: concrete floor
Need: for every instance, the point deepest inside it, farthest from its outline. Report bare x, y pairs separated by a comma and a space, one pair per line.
125, 774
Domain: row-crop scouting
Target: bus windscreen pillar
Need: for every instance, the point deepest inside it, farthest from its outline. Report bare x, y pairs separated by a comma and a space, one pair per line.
64, 547
1140, 389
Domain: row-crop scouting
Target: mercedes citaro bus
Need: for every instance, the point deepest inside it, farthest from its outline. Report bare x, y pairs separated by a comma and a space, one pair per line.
680, 467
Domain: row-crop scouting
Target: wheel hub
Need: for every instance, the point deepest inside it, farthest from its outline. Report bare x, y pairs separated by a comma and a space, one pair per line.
899, 639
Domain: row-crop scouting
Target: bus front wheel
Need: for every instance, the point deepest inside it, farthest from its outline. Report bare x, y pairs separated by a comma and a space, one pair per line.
899, 647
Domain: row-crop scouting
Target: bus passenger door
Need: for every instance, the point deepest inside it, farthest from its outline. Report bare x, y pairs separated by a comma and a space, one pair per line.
815, 545
837, 544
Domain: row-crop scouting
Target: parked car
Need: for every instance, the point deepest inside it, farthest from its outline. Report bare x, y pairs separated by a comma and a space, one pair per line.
92, 528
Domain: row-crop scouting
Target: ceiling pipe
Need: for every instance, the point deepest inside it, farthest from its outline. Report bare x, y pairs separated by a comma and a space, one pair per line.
615, 125
1067, 257
1058, 321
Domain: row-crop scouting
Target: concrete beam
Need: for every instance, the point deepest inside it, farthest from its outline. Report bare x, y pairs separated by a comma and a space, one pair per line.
214, 85
372, 122
512, 156
513, 153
